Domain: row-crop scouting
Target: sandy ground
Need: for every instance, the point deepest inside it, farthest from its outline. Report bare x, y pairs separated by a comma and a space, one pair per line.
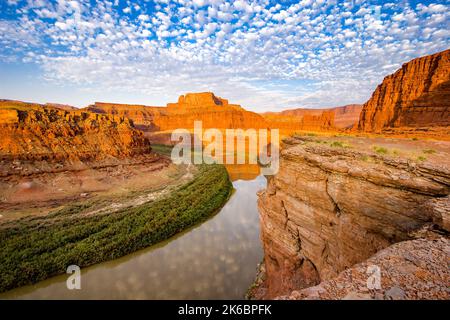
414, 149
110, 186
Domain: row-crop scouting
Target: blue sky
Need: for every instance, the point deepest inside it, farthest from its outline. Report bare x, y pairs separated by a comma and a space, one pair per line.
265, 55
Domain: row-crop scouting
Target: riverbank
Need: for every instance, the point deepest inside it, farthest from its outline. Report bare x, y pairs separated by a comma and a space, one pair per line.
36, 248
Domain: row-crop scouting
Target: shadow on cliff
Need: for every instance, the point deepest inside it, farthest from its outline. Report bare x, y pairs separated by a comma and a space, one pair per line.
432, 108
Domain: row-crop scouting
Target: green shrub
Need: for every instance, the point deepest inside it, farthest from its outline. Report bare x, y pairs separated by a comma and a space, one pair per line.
337, 144
429, 151
162, 149
380, 150
421, 158
365, 158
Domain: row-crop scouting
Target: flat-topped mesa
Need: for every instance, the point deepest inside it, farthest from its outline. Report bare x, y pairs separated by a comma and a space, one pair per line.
38, 132
417, 95
199, 100
214, 112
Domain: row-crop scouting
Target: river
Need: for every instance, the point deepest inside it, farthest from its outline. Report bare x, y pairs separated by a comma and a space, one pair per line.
214, 260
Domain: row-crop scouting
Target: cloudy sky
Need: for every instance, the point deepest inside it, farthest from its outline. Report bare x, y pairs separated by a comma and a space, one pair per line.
265, 55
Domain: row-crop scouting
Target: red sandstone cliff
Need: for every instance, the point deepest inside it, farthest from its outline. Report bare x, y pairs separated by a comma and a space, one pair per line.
35, 132
347, 116
214, 112
315, 119
417, 95
145, 118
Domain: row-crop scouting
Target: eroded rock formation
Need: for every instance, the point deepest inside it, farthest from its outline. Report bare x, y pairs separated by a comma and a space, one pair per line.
37, 132
417, 95
329, 208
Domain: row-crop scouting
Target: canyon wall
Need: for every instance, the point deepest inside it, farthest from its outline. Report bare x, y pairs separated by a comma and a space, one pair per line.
214, 112
315, 119
329, 208
38, 132
143, 117
347, 116
417, 95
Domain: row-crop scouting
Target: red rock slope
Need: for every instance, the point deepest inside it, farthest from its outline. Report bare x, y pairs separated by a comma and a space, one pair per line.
417, 95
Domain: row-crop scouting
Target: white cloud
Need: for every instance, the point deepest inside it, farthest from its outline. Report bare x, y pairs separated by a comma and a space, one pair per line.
143, 17
310, 53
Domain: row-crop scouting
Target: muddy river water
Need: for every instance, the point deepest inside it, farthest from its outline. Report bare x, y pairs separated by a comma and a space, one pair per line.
214, 260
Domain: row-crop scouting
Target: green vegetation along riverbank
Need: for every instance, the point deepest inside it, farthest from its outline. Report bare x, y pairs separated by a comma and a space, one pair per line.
35, 248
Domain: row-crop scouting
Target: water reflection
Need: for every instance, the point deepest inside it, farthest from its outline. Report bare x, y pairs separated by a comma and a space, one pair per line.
242, 171
215, 260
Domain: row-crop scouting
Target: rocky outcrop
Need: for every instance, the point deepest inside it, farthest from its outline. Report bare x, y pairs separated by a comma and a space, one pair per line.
415, 269
37, 132
331, 207
417, 95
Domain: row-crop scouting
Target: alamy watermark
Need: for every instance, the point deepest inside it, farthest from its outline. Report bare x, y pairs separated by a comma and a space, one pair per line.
74, 280
374, 279
207, 146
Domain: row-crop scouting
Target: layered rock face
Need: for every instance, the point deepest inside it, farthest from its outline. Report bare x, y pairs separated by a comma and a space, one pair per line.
315, 119
417, 95
37, 132
329, 208
143, 117
216, 112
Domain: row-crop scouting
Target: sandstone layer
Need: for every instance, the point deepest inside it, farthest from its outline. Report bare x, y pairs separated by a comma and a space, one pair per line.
38, 132
331, 207
143, 117
417, 95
